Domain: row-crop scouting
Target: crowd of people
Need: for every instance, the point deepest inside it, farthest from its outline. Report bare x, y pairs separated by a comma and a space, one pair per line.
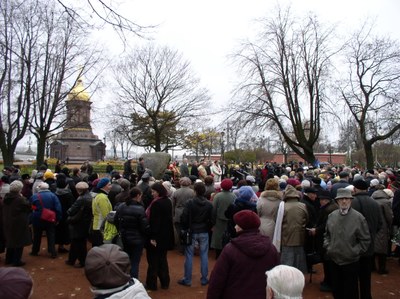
255, 220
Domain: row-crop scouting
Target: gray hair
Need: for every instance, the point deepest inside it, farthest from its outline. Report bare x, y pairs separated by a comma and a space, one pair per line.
16, 186
286, 282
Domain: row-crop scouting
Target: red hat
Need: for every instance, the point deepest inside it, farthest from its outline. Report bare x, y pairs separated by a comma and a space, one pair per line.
247, 219
226, 184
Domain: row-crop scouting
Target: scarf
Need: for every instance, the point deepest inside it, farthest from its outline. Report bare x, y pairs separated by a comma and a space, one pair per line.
148, 210
276, 240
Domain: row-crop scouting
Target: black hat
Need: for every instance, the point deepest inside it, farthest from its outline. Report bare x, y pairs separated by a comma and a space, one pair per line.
316, 180
324, 194
343, 174
360, 184
310, 190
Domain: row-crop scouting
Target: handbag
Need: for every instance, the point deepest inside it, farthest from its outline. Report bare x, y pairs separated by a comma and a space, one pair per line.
185, 235
47, 214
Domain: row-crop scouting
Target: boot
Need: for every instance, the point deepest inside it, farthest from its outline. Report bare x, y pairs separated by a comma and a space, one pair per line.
382, 264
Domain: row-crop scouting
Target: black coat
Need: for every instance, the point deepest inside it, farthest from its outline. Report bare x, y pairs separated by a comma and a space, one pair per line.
161, 227
198, 215
80, 229
130, 220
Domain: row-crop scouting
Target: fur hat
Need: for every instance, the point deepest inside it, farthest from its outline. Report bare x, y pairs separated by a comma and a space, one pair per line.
343, 193
15, 283
247, 219
226, 184
103, 182
290, 192
16, 186
361, 184
107, 266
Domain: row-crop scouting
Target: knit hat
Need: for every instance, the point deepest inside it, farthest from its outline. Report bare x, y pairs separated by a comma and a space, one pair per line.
374, 183
246, 192
293, 182
290, 192
82, 186
107, 266
103, 182
361, 184
247, 219
343, 193
15, 283
16, 186
226, 184
48, 175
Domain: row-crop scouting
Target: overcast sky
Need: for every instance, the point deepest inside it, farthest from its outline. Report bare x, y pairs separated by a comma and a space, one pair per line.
207, 31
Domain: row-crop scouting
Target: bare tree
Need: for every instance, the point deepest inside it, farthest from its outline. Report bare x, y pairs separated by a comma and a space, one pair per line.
61, 47
159, 96
371, 89
283, 79
17, 39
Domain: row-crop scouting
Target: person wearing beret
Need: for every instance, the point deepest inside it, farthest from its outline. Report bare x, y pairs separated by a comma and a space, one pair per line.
240, 269
101, 206
369, 208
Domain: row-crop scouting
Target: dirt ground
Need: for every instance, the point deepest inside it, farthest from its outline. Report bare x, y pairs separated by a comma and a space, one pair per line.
53, 279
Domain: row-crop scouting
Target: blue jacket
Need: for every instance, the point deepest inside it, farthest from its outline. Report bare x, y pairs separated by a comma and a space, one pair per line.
49, 200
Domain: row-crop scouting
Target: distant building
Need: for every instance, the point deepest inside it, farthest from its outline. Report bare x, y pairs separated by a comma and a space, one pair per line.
77, 143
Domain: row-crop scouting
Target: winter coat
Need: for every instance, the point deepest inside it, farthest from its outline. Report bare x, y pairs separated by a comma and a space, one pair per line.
347, 237
294, 222
134, 289
197, 215
381, 243
101, 206
369, 208
49, 200
161, 227
62, 230
267, 208
179, 199
16, 210
323, 214
240, 269
80, 229
221, 202
130, 220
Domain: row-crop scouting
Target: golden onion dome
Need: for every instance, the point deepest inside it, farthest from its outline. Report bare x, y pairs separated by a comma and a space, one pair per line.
78, 92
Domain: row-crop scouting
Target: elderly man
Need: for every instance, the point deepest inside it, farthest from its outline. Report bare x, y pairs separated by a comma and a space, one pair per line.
284, 282
346, 239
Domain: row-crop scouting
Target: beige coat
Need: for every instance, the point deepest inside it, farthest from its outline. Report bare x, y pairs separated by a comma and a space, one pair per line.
267, 208
294, 222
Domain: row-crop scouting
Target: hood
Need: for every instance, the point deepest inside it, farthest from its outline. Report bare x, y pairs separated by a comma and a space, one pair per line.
200, 200
380, 194
252, 243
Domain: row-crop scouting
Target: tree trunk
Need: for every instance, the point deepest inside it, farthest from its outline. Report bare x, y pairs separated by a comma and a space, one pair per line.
369, 155
8, 156
41, 149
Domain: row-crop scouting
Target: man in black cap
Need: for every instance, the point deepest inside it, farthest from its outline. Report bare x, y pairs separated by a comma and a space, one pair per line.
343, 183
369, 208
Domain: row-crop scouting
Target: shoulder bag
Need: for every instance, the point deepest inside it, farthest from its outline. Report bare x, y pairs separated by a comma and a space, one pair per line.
47, 214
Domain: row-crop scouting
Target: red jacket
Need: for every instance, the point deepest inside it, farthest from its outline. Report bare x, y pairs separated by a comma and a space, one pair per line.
240, 269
